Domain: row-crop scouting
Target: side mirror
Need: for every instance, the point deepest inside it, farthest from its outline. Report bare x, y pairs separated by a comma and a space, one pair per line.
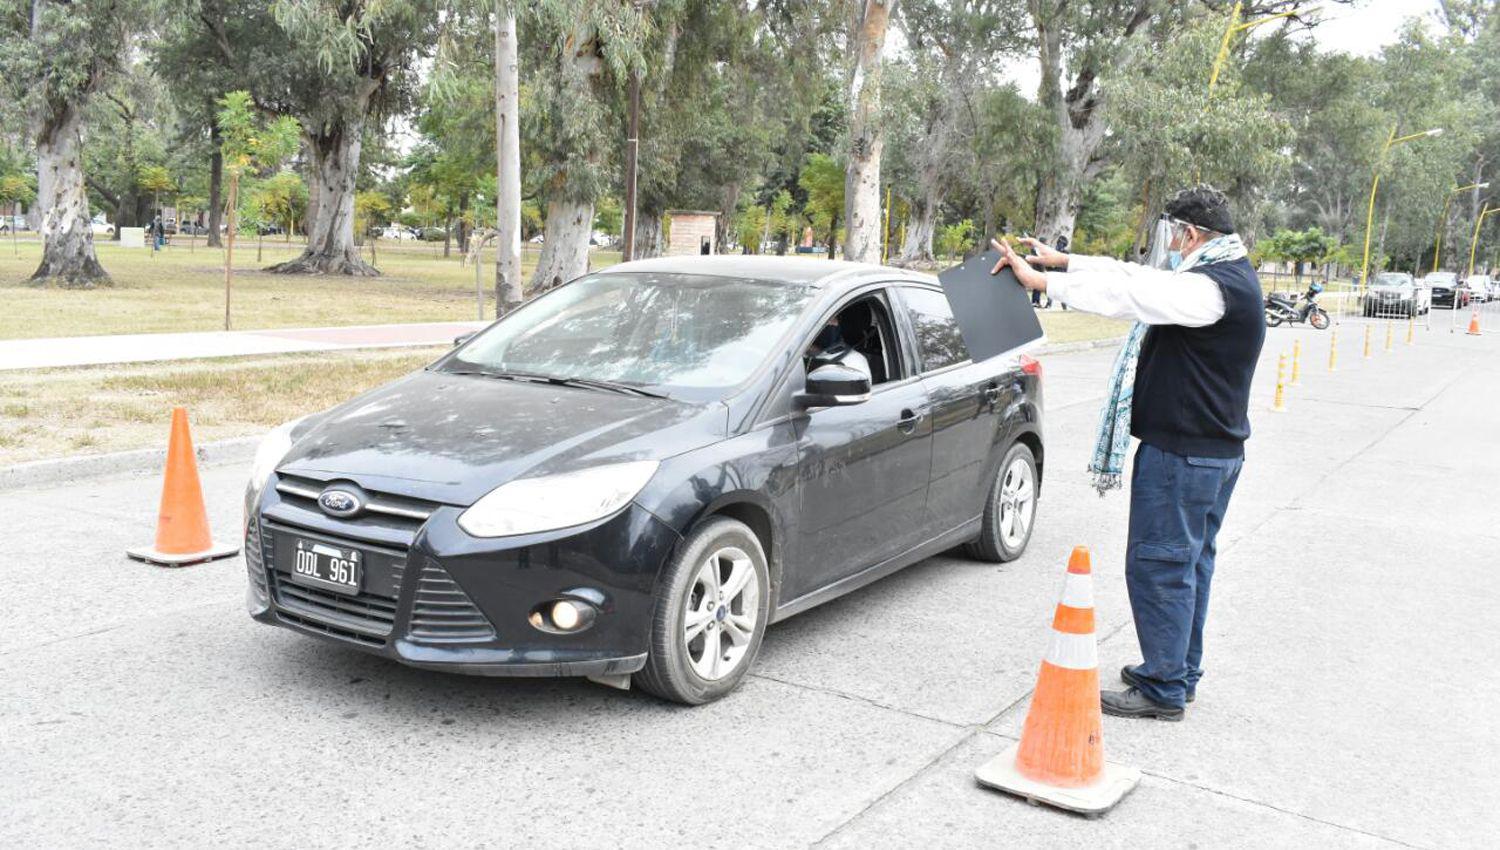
463, 338
834, 385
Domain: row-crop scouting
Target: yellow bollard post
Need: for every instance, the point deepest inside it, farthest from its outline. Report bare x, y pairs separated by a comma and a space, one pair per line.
1411, 329
1367, 342
1296, 363
1389, 333
1333, 352
1280, 404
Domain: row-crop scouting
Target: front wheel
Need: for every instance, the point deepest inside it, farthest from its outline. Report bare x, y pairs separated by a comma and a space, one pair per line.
1318, 319
1010, 509
710, 616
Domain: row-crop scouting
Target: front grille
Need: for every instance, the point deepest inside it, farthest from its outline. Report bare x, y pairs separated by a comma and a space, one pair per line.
443, 613
368, 617
400, 510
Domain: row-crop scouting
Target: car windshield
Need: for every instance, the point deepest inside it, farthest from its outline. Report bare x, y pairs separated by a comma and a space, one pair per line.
695, 334
1441, 278
1390, 279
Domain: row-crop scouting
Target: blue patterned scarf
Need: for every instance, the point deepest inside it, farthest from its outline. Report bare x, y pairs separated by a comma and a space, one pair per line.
1108, 463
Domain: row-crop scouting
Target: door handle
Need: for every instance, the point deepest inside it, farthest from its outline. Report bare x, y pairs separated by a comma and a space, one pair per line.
908, 421
991, 395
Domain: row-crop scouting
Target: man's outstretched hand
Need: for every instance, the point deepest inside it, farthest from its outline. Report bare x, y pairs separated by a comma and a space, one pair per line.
1028, 276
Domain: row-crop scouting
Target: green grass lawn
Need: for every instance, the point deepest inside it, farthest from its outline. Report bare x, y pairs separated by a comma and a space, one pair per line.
182, 289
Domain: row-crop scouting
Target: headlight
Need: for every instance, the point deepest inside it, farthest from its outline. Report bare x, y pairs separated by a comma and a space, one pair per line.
556, 501
272, 449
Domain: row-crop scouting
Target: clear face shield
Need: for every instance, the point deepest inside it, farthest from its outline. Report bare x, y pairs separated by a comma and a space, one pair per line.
1167, 232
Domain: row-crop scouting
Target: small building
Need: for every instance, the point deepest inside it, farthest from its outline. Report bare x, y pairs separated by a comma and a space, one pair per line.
692, 232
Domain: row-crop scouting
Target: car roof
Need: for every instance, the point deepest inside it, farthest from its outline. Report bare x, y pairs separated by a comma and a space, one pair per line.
822, 273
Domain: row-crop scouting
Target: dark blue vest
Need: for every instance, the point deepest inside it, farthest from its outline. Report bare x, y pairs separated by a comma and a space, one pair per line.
1192, 385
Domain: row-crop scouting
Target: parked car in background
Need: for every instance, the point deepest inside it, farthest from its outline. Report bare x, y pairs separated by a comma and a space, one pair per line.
397, 233
537, 239
12, 223
432, 234
272, 230
1445, 289
634, 474
101, 226
1481, 288
1395, 294
192, 228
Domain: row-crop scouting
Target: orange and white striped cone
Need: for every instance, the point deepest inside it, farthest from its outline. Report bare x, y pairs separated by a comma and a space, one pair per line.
1060, 757
1474, 323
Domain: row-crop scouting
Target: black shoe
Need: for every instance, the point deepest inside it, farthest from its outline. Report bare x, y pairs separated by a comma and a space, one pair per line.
1128, 676
1132, 703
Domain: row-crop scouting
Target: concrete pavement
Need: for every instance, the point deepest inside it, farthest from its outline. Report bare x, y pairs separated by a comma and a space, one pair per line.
141, 348
1349, 699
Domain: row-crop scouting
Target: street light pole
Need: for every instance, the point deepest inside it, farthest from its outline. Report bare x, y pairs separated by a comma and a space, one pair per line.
632, 151
1236, 25
1474, 242
1437, 244
1390, 141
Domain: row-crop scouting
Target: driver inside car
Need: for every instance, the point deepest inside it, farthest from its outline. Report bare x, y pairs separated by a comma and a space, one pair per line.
829, 346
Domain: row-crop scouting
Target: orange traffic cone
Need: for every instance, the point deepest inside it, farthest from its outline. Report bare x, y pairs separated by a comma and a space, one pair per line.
182, 535
1474, 323
1060, 757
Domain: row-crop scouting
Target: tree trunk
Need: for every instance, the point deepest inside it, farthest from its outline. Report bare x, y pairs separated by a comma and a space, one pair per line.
729, 200
833, 237
917, 246
68, 258
565, 248
1080, 125
866, 138
647, 235
215, 189
508, 293
447, 234
334, 165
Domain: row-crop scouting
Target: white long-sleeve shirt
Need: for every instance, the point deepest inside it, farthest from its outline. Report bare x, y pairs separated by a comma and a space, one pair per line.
1122, 290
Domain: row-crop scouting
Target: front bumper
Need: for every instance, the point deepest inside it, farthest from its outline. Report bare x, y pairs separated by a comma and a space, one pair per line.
434, 597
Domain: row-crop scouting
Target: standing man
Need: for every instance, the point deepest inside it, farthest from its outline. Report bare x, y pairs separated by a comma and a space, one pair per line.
1181, 384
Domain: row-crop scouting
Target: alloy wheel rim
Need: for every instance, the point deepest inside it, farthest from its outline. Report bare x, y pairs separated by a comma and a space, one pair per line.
1017, 502
720, 613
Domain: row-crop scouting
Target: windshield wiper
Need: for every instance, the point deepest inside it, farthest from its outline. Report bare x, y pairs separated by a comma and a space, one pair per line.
561, 381
600, 384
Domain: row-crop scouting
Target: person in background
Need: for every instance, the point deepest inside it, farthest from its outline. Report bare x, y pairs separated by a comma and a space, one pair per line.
1181, 384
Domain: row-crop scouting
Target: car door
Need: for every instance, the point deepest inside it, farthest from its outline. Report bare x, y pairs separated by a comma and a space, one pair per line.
862, 474
968, 402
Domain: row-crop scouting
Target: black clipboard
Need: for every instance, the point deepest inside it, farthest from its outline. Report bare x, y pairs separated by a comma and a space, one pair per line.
994, 312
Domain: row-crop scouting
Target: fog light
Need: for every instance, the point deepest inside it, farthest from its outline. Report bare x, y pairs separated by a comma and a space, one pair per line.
566, 615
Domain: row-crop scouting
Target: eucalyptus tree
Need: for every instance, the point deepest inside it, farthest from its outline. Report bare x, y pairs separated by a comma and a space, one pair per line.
576, 56
954, 53
341, 66
1081, 47
869, 24
54, 57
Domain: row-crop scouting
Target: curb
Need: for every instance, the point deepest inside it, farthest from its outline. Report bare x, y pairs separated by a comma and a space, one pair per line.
65, 470
1085, 345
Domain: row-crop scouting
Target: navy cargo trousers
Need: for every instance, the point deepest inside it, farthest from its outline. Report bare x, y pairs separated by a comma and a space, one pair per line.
1177, 504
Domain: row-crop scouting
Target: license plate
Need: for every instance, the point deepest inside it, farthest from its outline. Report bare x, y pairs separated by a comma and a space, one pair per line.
331, 567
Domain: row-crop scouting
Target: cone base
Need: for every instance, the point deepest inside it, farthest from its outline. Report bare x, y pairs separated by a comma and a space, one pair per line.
1114, 783
151, 555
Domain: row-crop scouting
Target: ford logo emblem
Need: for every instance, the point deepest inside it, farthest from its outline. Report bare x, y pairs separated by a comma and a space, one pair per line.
341, 503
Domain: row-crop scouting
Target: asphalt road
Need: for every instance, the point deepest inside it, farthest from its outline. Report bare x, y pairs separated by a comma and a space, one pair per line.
1350, 696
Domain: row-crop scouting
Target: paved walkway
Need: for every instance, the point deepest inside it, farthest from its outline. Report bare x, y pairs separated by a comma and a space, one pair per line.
1350, 699
142, 348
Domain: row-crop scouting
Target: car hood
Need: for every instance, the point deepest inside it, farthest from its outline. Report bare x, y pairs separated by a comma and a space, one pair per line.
452, 438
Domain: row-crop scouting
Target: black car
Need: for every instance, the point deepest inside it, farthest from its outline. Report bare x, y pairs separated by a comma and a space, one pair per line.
631, 476
1446, 291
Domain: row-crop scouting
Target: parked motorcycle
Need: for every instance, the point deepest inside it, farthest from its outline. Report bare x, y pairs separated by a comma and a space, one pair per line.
1279, 309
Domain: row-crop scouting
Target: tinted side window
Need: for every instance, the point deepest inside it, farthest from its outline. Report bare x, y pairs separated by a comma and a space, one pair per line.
938, 339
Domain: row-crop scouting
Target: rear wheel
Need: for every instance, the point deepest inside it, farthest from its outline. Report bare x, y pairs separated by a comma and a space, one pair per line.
710, 615
1272, 319
1010, 510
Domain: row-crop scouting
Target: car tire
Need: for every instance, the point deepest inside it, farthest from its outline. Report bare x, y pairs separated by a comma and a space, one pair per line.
998, 541
672, 671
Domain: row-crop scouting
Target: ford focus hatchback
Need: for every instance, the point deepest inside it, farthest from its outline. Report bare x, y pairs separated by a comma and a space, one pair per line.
633, 475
